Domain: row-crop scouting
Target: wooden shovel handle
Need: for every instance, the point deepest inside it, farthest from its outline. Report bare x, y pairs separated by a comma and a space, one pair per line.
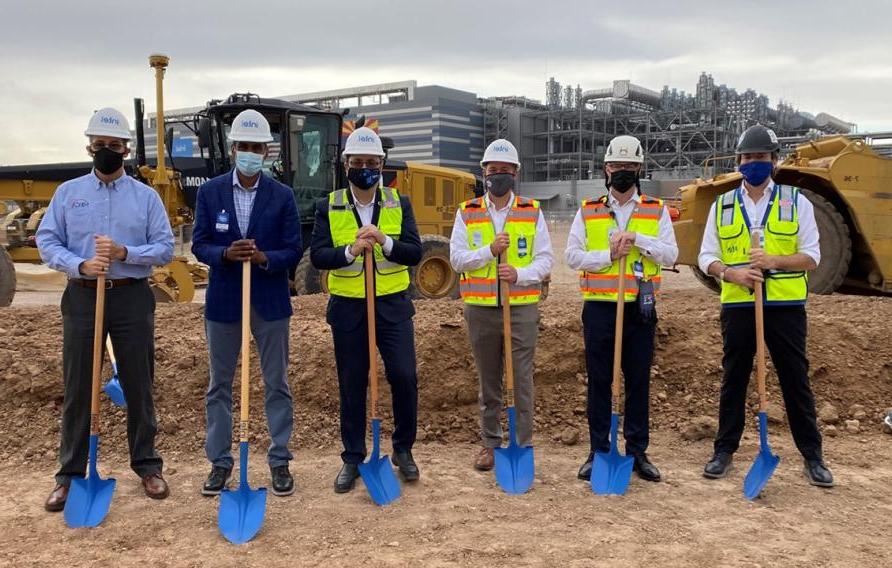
618, 333
246, 349
369, 270
755, 242
504, 292
98, 328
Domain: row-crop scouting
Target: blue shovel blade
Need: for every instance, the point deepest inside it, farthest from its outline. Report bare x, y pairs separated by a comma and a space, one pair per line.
241, 513
113, 389
89, 498
515, 465
377, 473
764, 465
611, 471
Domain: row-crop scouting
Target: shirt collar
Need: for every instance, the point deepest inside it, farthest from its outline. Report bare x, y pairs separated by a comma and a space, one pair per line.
113, 185
238, 184
358, 203
614, 202
491, 205
769, 189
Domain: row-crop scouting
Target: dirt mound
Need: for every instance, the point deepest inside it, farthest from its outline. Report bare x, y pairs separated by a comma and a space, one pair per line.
849, 346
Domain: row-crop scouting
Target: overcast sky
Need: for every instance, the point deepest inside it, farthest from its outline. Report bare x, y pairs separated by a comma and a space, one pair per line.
61, 60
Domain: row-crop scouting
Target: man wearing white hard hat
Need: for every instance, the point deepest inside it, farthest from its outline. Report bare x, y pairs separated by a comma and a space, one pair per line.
501, 222
369, 218
245, 215
623, 223
107, 222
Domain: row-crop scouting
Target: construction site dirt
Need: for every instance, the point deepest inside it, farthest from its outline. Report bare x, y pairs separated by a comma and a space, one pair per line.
455, 515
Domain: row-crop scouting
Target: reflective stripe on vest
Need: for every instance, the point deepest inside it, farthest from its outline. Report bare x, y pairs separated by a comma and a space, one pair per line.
781, 223
481, 287
349, 281
599, 225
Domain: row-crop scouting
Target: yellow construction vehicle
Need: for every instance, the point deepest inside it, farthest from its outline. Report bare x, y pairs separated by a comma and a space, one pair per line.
307, 158
850, 185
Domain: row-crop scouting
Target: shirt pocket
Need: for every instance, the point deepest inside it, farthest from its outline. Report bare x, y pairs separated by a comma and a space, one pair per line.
80, 222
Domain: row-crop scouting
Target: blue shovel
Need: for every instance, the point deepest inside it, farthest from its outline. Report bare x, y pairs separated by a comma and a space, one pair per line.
515, 466
377, 473
766, 462
90, 498
113, 387
242, 510
612, 471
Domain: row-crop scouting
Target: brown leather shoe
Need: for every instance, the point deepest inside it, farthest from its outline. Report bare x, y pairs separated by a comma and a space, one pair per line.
485, 459
155, 486
56, 501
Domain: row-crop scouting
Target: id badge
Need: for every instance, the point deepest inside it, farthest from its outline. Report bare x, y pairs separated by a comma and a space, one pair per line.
477, 239
638, 269
222, 225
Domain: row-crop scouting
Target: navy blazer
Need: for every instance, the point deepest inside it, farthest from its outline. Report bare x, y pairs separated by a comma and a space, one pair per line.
346, 314
275, 228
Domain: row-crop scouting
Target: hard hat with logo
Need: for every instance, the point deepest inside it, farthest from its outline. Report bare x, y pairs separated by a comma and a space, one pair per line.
757, 139
363, 141
500, 151
250, 126
624, 149
108, 122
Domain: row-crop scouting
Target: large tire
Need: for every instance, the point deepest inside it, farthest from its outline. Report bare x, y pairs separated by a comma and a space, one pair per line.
836, 246
7, 278
433, 277
308, 279
706, 280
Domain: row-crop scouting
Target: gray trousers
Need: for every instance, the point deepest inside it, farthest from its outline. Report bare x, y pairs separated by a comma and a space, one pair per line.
487, 343
224, 344
130, 320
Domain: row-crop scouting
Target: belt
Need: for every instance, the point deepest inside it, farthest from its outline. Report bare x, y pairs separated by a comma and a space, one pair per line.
116, 283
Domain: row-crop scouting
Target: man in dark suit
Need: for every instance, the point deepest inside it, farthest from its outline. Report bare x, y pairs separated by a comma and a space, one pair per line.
244, 215
368, 218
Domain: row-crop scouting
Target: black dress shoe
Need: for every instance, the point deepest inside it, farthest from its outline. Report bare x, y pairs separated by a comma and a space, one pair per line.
283, 483
216, 481
645, 470
406, 465
718, 467
585, 472
818, 474
346, 478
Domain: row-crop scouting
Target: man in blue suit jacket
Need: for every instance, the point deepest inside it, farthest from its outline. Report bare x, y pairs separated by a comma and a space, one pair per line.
240, 216
367, 218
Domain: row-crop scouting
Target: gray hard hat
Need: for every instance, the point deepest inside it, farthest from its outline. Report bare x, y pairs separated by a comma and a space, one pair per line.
757, 138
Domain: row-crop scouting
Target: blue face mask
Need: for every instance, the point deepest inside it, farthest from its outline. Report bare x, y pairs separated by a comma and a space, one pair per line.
363, 178
248, 163
755, 173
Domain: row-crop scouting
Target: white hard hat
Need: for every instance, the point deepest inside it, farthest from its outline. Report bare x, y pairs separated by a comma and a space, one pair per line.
624, 149
363, 141
108, 122
250, 126
500, 151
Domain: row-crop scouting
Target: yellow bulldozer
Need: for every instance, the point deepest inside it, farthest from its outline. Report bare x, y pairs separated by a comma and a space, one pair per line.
308, 159
850, 185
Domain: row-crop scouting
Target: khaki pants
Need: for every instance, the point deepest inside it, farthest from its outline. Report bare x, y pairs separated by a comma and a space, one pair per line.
487, 343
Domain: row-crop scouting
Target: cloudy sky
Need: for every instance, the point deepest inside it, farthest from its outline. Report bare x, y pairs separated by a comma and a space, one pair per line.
61, 60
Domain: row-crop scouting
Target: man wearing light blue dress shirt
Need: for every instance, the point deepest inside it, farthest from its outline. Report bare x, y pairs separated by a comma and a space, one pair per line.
107, 222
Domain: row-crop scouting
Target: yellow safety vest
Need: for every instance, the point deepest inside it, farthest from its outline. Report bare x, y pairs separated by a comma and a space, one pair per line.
599, 225
781, 232
349, 281
481, 287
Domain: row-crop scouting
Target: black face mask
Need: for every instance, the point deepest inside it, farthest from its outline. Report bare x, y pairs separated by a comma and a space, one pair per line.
363, 178
622, 180
499, 184
108, 161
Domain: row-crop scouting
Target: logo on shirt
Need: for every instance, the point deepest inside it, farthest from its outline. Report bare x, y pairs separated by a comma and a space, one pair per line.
79, 203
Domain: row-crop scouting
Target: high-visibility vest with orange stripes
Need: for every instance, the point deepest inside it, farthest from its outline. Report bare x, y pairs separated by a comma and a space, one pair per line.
599, 225
481, 287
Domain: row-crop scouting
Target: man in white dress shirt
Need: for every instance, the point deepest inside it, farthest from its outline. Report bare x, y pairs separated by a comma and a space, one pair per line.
780, 266
501, 239
622, 223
